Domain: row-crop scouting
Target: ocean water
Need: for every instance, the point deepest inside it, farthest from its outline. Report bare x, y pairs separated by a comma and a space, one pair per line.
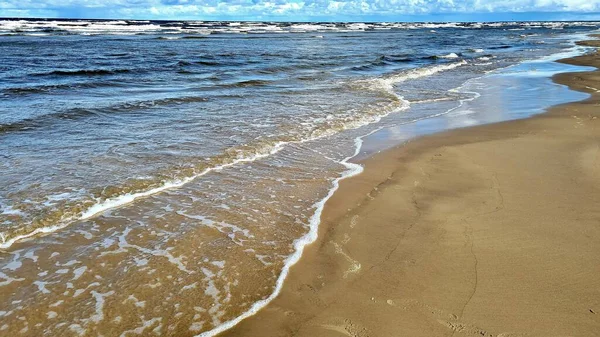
161, 177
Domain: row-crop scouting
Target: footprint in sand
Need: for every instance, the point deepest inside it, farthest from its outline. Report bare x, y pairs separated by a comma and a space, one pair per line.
346, 327
354, 221
354, 265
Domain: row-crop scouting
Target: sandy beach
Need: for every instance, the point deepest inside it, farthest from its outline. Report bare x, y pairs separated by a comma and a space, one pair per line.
485, 231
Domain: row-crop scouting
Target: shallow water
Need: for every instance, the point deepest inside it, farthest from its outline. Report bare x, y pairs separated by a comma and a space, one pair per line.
515, 92
177, 177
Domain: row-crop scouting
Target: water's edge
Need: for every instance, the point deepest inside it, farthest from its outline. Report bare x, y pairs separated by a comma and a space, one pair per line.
355, 166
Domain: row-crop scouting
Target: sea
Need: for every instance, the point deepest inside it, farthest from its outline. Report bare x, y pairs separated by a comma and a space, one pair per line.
161, 177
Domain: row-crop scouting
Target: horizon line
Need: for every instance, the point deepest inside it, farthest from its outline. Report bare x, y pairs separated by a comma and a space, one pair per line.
283, 21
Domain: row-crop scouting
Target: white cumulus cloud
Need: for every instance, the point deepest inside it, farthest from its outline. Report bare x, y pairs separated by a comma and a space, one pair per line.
261, 9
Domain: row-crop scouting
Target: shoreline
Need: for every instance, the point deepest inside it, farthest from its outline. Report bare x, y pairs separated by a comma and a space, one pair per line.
314, 299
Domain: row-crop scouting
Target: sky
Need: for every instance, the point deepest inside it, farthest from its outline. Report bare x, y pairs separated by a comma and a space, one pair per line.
307, 10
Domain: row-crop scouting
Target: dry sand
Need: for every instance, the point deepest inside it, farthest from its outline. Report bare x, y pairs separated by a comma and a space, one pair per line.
486, 231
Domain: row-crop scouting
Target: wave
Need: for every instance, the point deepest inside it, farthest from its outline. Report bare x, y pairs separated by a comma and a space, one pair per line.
118, 54
84, 72
378, 62
317, 64
199, 31
247, 83
387, 60
18, 91
209, 61
183, 63
433, 100
103, 199
446, 56
399, 58
194, 37
500, 47
43, 120
76, 113
450, 56
476, 50
386, 84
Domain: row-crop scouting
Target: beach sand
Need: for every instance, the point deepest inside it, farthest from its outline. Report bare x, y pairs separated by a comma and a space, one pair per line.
492, 230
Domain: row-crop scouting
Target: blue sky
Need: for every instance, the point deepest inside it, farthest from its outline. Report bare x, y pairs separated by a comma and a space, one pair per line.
308, 10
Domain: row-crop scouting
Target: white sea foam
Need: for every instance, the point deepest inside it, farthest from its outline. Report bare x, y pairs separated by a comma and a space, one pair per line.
450, 56
15, 263
42, 287
145, 325
432, 100
387, 83
571, 52
81, 27
78, 272
8, 210
228, 229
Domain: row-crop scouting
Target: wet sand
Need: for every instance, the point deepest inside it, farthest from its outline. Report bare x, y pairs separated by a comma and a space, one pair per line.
485, 231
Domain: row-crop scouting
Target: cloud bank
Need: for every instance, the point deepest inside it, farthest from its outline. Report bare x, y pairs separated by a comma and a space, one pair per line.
295, 10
